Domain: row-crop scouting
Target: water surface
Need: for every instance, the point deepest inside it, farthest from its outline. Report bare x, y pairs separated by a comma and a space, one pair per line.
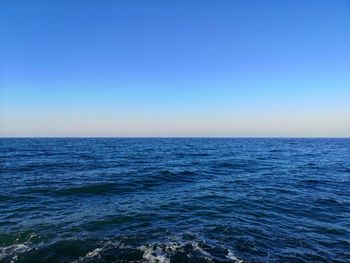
175, 200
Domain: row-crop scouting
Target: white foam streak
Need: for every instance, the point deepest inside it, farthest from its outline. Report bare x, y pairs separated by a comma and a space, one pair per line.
231, 256
14, 250
152, 255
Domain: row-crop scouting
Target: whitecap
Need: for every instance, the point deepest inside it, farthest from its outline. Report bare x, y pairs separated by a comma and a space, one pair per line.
13, 251
231, 256
154, 255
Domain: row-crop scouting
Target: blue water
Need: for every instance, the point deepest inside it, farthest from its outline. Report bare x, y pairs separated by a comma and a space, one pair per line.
175, 200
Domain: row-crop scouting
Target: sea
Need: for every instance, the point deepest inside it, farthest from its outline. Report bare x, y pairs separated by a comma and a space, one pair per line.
174, 200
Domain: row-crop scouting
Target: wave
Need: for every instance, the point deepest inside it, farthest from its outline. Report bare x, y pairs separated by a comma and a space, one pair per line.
81, 251
129, 184
95, 189
41, 166
136, 183
167, 176
249, 166
190, 251
188, 155
107, 221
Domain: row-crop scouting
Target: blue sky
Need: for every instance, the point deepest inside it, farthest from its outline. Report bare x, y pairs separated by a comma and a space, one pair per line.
175, 68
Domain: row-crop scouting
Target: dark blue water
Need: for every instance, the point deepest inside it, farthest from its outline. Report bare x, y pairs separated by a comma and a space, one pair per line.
175, 200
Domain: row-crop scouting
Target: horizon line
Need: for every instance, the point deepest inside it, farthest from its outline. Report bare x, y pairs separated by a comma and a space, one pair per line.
173, 137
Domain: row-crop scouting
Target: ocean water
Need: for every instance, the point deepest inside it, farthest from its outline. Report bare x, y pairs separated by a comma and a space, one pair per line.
175, 200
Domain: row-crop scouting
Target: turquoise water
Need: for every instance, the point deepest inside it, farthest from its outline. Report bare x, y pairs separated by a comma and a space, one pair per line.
175, 200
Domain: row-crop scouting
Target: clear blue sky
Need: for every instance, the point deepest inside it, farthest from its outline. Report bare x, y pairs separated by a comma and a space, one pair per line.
175, 68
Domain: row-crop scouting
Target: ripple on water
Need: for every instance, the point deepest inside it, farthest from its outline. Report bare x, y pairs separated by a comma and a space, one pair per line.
131, 200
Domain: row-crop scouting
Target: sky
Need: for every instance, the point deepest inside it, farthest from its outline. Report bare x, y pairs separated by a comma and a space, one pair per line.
211, 68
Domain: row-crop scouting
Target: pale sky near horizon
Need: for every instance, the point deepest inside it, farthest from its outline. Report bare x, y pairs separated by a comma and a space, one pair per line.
175, 68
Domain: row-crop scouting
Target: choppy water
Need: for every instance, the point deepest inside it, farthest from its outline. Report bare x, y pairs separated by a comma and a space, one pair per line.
175, 200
